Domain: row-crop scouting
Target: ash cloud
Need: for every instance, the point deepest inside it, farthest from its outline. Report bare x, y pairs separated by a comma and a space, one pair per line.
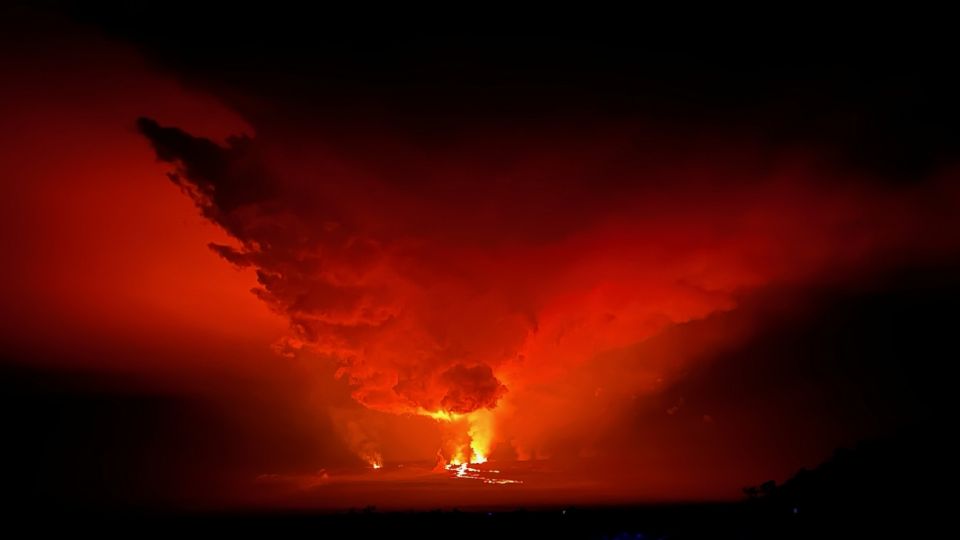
338, 285
439, 278
470, 388
220, 179
461, 232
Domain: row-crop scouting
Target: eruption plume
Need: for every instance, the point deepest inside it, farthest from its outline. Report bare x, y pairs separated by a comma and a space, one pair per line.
456, 285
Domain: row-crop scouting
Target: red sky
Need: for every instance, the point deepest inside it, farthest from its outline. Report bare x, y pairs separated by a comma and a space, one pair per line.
99, 248
617, 304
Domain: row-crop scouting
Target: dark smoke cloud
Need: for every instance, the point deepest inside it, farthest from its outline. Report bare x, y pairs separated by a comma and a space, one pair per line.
470, 388
329, 278
221, 179
447, 217
436, 280
868, 100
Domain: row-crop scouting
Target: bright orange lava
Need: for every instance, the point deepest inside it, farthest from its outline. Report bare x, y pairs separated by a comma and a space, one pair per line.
464, 470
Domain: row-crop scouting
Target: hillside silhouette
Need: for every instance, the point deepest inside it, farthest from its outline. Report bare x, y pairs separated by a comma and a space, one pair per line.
890, 487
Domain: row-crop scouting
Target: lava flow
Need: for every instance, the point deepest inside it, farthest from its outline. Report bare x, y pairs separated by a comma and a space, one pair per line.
464, 470
468, 454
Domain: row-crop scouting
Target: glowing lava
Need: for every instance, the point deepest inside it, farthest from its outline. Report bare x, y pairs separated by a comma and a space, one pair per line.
481, 434
468, 436
467, 454
464, 470
374, 460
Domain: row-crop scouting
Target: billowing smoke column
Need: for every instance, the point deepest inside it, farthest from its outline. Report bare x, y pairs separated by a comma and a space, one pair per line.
362, 299
450, 282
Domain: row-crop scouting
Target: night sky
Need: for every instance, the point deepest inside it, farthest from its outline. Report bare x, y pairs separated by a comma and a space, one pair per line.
252, 253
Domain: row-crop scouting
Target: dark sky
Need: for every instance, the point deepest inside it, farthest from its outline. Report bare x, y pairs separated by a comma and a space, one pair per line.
254, 251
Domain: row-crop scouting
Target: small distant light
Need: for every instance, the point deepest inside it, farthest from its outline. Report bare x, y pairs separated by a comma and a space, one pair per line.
796, 510
564, 512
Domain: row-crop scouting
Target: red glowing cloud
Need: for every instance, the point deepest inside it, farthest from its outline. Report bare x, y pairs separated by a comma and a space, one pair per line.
446, 286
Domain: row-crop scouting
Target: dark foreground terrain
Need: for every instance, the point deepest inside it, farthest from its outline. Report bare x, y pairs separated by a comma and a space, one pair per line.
746, 521
855, 494
67, 475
